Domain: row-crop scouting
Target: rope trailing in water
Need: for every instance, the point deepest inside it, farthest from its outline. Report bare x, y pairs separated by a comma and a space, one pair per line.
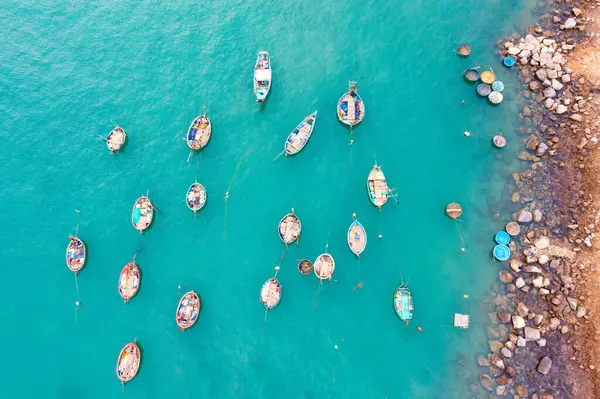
351, 141
462, 241
239, 164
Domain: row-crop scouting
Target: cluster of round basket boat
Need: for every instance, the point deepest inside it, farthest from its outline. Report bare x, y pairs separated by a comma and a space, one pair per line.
489, 86
501, 251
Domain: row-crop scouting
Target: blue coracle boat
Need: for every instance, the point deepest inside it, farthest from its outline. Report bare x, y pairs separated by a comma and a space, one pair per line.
403, 304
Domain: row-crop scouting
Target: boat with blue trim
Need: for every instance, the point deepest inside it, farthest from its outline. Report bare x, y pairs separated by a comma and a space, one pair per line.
188, 310
403, 304
270, 293
262, 76
199, 132
350, 107
300, 135
357, 237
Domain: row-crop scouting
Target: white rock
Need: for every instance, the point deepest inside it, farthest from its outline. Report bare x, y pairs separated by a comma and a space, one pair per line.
514, 50
542, 242
521, 341
548, 42
538, 282
560, 109
518, 322
532, 334
548, 103
556, 85
520, 282
525, 54
541, 342
543, 259
570, 23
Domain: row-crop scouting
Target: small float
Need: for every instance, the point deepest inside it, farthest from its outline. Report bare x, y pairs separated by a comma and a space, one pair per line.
464, 50
270, 293
497, 86
377, 187
350, 107
300, 135
501, 252
76, 254
262, 76
305, 267
129, 280
471, 74
403, 304
187, 310
196, 197
289, 228
142, 213
116, 139
513, 228
509, 62
199, 132
487, 77
502, 237
495, 97
357, 237
484, 89
128, 362
324, 266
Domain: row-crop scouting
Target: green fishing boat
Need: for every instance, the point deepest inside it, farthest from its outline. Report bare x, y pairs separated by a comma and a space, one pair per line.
403, 304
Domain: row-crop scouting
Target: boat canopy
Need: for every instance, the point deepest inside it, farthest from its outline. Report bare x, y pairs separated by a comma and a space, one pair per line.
263, 75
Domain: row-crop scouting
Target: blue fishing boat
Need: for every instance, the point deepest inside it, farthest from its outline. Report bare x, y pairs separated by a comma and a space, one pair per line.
262, 76
142, 213
351, 108
300, 135
357, 237
403, 303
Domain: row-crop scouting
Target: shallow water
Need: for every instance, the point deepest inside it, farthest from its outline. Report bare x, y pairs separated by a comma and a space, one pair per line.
70, 68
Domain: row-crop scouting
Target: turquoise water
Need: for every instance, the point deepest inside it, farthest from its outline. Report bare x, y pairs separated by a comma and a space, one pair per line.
69, 68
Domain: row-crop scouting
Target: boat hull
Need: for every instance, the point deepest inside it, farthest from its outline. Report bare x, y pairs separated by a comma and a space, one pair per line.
289, 228
116, 139
142, 213
403, 305
262, 76
129, 281
298, 138
196, 197
357, 238
188, 310
350, 107
199, 133
128, 362
76, 254
324, 266
270, 293
377, 187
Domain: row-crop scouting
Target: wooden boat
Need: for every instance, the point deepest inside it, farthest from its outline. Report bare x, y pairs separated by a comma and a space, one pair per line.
377, 187
262, 76
199, 132
495, 97
116, 139
188, 310
128, 362
142, 213
464, 50
129, 281
76, 254
196, 197
270, 293
351, 108
357, 237
300, 135
484, 89
403, 304
471, 74
324, 266
305, 267
290, 228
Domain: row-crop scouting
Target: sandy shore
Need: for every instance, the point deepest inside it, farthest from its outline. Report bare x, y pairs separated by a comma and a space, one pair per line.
544, 331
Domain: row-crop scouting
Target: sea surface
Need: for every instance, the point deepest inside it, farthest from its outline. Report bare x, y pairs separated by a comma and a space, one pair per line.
71, 69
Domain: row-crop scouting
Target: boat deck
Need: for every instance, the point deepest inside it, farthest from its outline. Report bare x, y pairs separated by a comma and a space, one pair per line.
196, 197
270, 293
357, 239
289, 229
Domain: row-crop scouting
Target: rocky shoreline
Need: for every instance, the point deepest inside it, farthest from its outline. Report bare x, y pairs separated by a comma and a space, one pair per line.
539, 318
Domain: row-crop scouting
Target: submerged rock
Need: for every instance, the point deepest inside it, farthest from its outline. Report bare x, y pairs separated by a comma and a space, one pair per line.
486, 381
525, 216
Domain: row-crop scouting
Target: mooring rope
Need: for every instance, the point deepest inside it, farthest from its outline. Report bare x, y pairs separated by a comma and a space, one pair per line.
462, 241
239, 164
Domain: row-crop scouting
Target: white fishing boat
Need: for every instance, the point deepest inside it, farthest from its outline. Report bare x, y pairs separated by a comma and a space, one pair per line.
142, 213
350, 107
357, 237
324, 266
196, 197
116, 139
377, 187
262, 76
270, 293
128, 363
76, 254
188, 310
300, 135
129, 281
289, 228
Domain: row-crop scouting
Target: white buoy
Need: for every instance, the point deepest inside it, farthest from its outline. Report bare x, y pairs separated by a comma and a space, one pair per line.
380, 236
77, 303
179, 286
335, 346
467, 133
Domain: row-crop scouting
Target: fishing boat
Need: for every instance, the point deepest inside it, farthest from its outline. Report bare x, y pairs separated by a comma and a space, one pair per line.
196, 197
142, 213
115, 139
129, 280
270, 293
187, 310
351, 108
76, 254
377, 187
403, 303
199, 133
262, 76
128, 362
357, 237
305, 267
471, 74
290, 228
300, 135
324, 266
